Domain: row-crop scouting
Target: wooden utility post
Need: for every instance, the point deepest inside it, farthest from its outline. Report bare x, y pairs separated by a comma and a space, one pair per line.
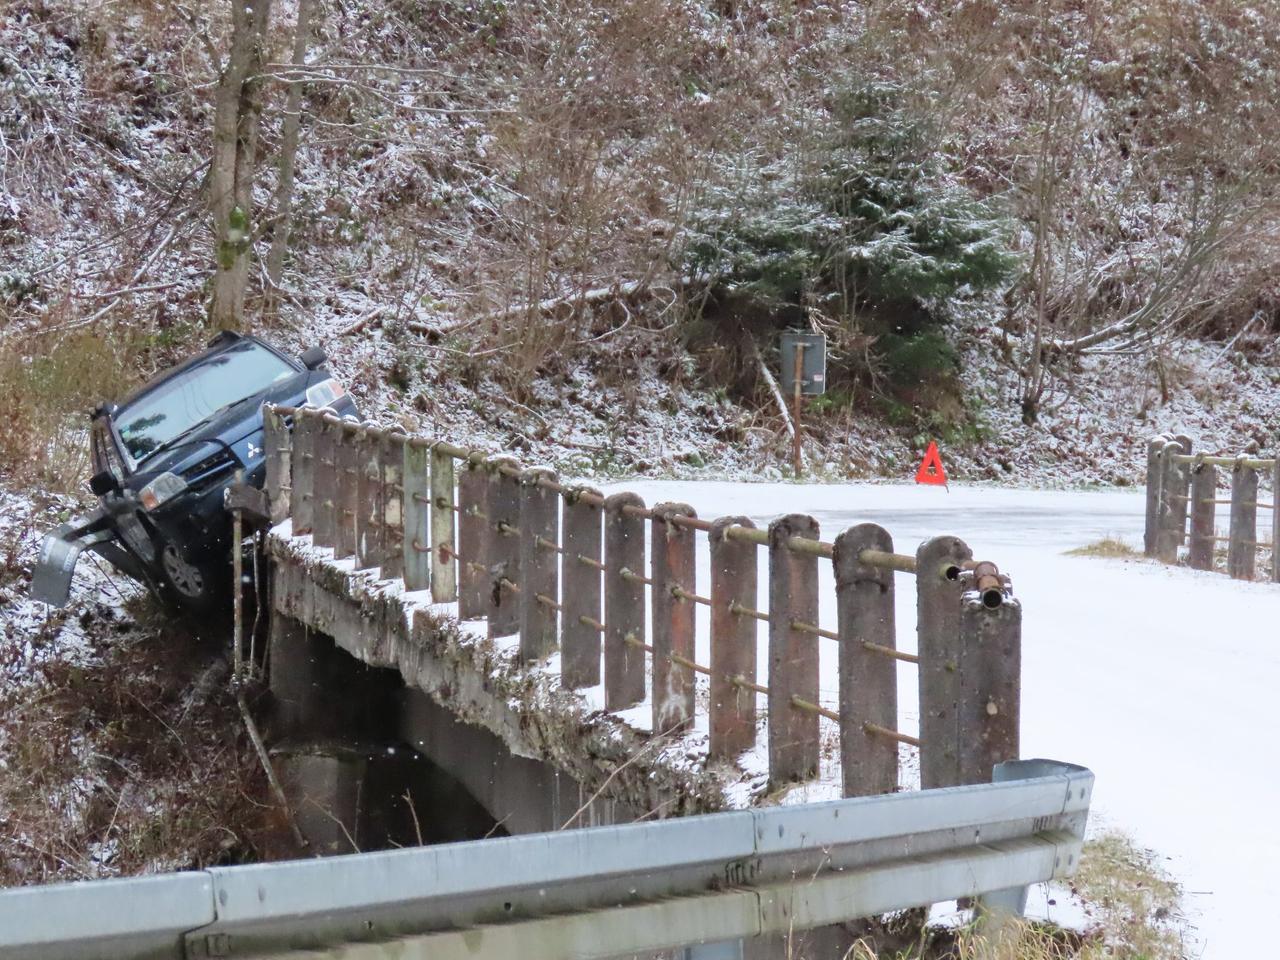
797, 383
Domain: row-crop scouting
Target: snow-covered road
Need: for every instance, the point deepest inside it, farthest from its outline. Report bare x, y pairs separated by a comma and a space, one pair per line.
1161, 680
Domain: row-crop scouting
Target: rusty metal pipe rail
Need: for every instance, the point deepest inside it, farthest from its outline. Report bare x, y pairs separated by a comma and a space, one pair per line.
1193, 459
900, 563
797, 703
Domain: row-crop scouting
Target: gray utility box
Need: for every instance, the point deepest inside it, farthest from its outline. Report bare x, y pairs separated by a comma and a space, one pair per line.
813, 380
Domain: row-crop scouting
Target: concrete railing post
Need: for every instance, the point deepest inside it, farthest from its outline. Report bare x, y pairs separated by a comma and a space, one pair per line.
444, 575
623, 603
277, 445
580, 577
350, 445
868, 678
1204, 493
938, 591
1242, 543
733, 641
539, 565
1174, 494
1183, 503
306, 431
793, 652
502, 505
326, 481
990, 673
473, 543
391, 449
368, 535
673, 568
417, 554
1155, 480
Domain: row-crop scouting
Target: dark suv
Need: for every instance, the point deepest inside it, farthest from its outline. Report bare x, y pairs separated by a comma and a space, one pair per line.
163, 459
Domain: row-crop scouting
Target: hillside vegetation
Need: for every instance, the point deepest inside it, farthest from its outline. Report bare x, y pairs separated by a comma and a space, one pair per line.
1034, 230
500, 217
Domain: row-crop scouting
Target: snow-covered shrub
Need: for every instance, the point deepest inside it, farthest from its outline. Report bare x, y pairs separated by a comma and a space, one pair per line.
866, 228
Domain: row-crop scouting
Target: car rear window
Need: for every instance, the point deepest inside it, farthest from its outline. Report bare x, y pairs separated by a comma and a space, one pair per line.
193, 396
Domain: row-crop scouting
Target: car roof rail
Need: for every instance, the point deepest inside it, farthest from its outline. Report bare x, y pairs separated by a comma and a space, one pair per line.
224, 336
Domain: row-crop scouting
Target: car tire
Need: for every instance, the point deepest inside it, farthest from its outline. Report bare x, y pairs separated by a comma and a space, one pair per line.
191, 586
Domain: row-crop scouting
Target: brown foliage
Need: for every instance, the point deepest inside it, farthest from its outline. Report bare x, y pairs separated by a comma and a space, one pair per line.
129, 763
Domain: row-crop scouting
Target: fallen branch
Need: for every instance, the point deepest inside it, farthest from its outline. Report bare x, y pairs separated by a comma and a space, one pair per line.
776, 391
659, 740
265, 759
147, 288
363, 322
583, 297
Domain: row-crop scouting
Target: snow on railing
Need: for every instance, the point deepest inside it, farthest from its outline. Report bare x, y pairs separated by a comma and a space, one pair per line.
564, 568
1182, 502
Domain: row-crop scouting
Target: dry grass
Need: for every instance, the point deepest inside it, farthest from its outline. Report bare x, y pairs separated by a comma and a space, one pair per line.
1131, 904
1108, 548
48, 385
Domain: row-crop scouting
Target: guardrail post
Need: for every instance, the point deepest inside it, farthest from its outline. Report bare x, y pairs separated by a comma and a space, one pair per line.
1173, 500
502, 505
306, 431
444, 576
938, 591
324, 504
733, 641
580, 576
1242, 545
868, 679
673, 567
391, 452
473, 543
367, 536
277, 444
539, 565
623, 603
1204, 491
1275, 519
990, 672
1155, 480
793, 653
417, 554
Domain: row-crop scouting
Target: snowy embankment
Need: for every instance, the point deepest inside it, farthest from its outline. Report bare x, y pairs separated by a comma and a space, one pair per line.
1159, 679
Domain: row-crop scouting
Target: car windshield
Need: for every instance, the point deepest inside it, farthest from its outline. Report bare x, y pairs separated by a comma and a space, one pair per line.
191, 397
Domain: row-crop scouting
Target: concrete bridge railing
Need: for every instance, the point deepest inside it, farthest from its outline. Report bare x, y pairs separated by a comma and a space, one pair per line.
1182, 503
610, 585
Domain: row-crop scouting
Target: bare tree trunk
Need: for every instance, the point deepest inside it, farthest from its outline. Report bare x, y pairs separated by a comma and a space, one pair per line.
288, 158
237, 109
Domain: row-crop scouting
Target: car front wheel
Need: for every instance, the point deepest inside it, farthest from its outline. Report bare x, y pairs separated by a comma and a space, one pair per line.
193, 585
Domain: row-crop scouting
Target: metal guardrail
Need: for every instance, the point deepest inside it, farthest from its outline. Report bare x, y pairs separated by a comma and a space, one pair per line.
569, 569
1182, 502
715, 879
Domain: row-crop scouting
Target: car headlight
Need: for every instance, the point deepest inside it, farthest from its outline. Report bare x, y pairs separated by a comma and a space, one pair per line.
164, 487
324, 393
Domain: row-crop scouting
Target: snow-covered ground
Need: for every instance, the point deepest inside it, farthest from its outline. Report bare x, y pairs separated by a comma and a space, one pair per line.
1159, 679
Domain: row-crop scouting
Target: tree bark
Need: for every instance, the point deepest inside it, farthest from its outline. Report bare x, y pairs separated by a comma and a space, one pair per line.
237, 111
288, 157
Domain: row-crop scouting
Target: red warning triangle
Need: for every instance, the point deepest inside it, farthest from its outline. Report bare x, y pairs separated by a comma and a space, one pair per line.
931, 471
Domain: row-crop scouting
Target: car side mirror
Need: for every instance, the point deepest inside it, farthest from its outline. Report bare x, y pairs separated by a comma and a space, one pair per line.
104, 482
314, 358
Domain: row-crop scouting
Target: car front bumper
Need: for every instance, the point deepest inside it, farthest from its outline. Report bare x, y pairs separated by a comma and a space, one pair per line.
60, 551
